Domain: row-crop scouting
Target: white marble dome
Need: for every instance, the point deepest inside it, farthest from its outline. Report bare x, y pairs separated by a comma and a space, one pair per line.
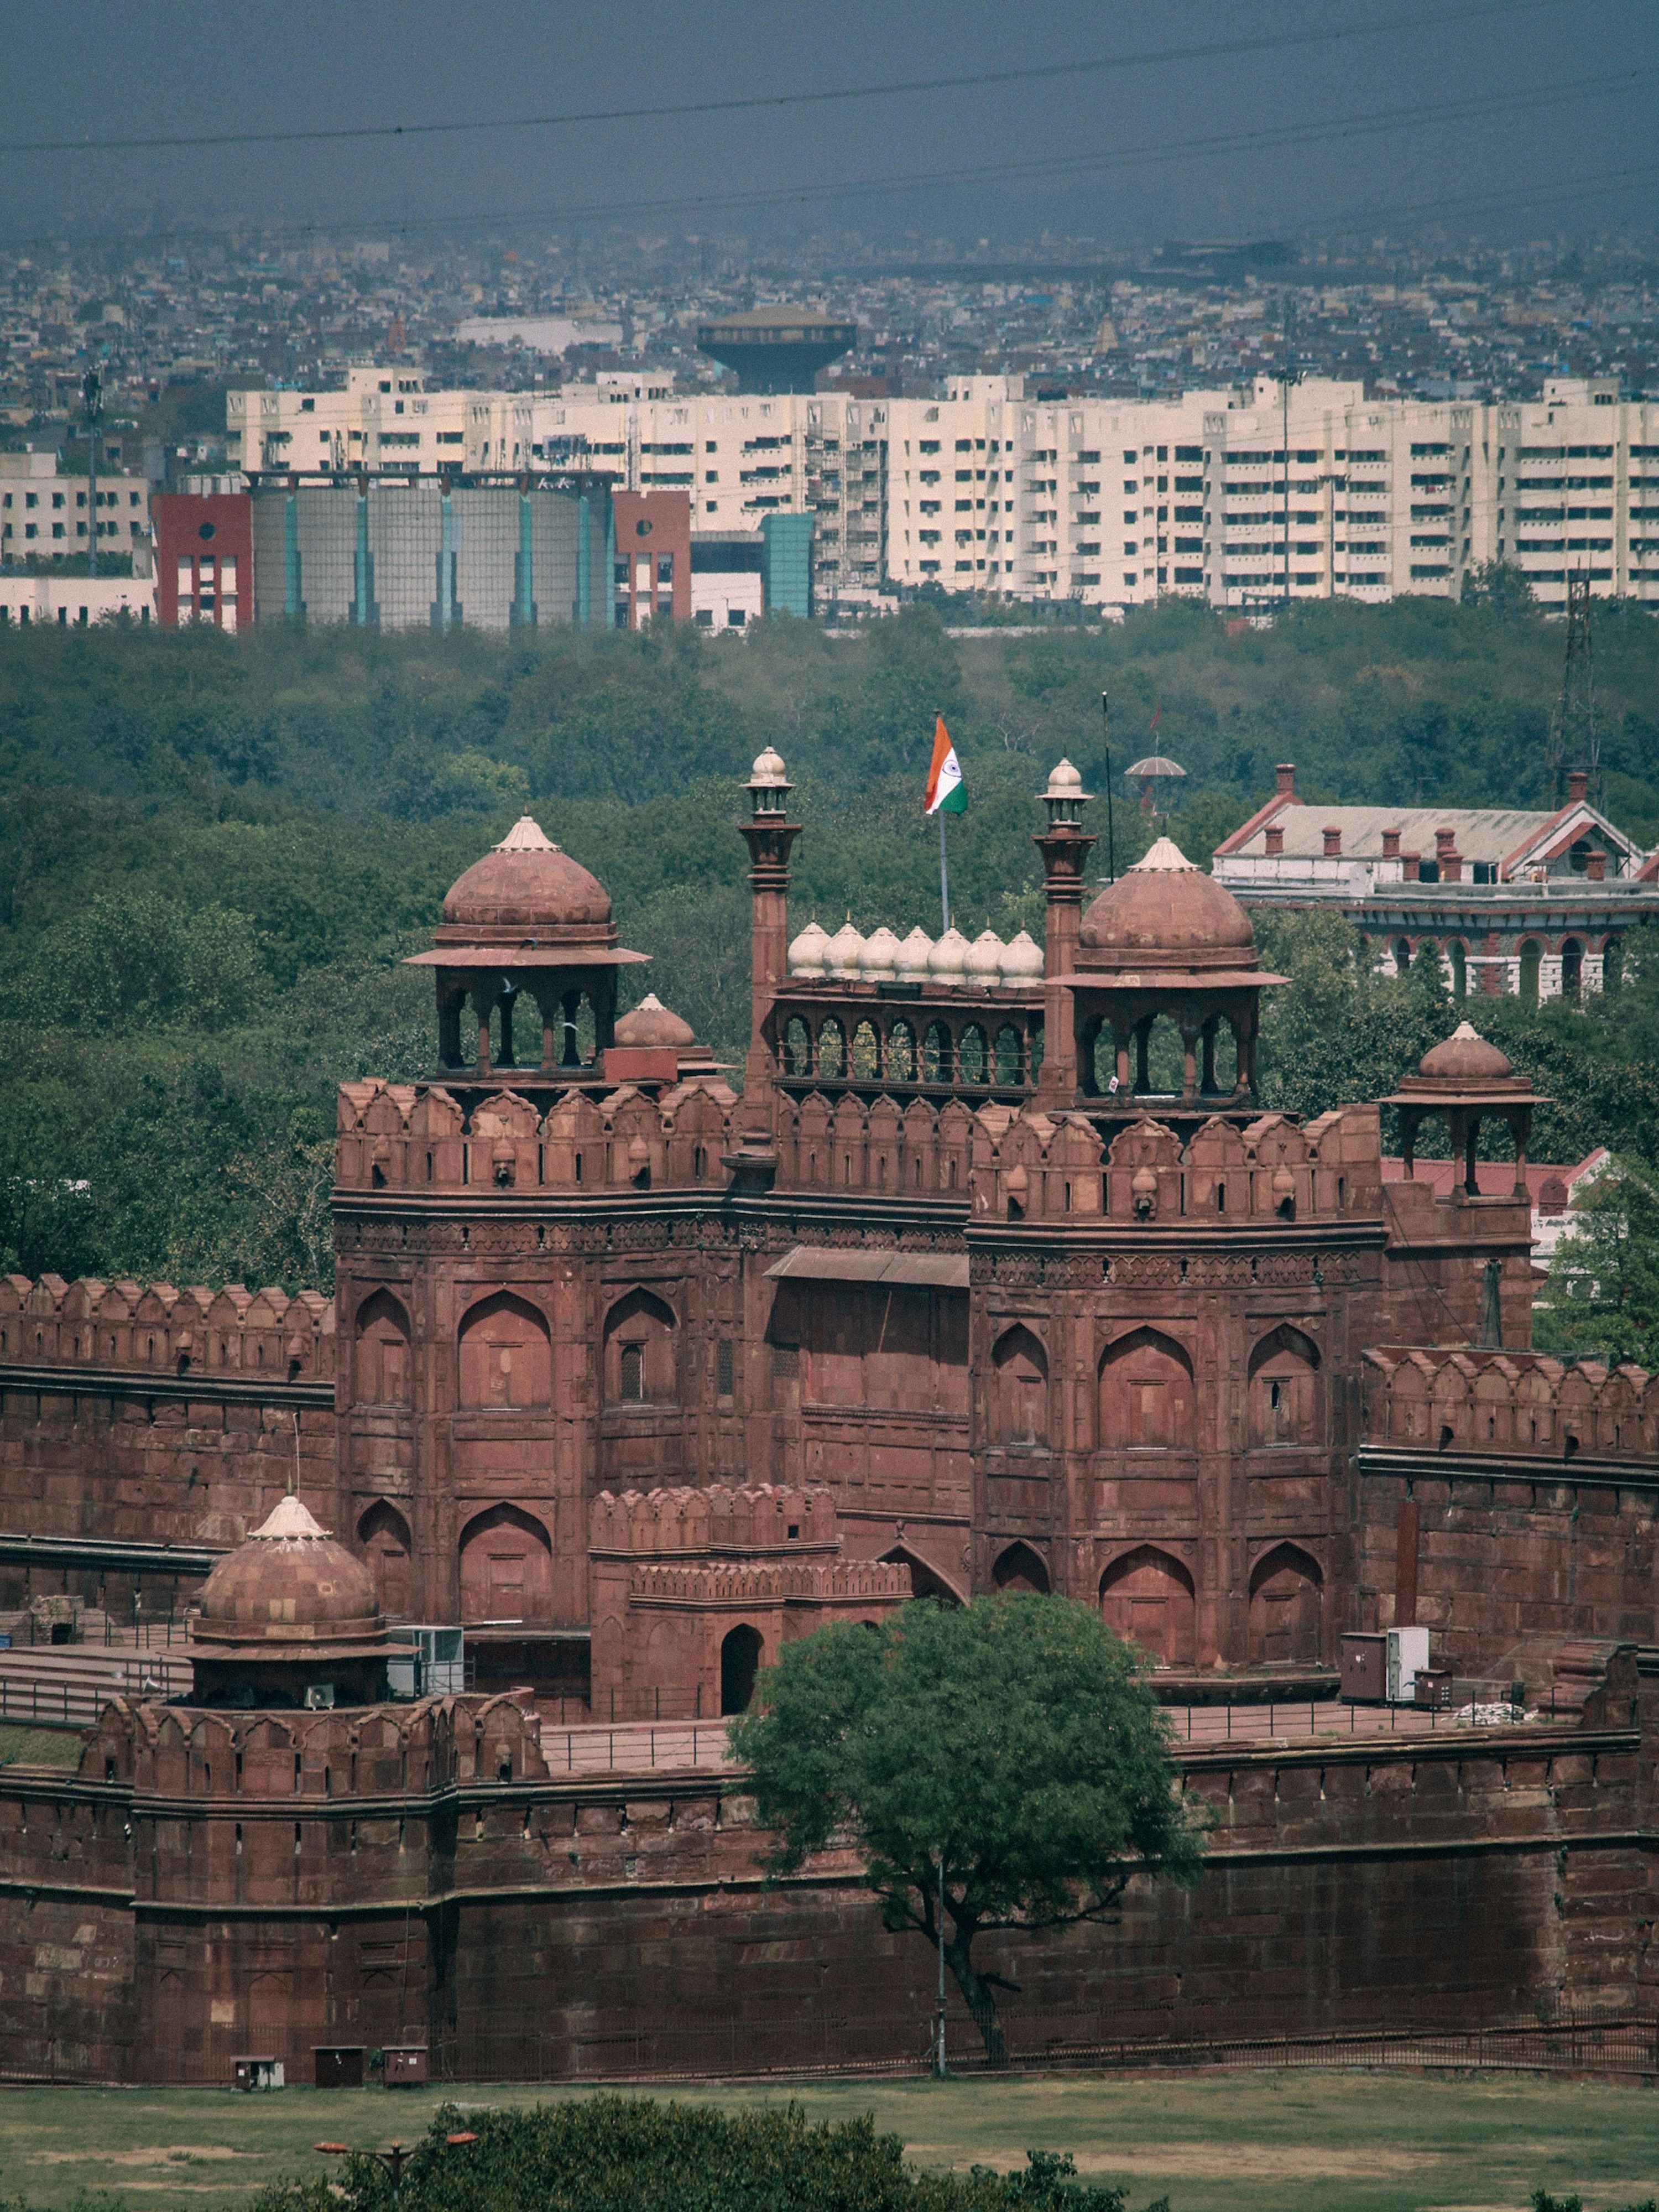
947, 962
847, 951
913, 956
1022, 960
985, 961
881, 952
809, 953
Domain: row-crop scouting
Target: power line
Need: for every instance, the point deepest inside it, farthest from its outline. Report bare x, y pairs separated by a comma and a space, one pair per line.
1157, 56
1271, 138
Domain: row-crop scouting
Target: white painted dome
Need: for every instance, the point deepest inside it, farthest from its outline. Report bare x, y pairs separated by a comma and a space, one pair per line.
881, 952
809, 953
912, 956
947, 962
1022, 960
985, 961
847, 951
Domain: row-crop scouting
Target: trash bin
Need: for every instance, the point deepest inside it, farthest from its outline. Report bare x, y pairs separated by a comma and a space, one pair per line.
339, 2065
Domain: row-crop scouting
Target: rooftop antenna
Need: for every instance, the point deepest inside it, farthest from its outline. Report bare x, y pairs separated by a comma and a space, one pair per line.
1574, 742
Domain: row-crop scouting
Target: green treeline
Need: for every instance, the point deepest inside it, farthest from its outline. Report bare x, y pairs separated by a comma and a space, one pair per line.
215, 852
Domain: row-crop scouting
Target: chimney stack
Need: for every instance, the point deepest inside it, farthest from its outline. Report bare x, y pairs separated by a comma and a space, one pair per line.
1391, 844
1285, 778
1275, 841
1577, 786
1409, 866
1333, 837
1596, 867
1445, 840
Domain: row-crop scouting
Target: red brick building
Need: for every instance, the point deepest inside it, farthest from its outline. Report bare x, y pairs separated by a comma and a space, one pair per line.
203, 558
654, 556
988, 1279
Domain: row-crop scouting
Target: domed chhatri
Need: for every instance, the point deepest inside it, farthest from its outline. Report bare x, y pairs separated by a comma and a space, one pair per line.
947, 964
1165, 913
846, 952
913, 956
1022, 961
879, 963
289, 1617
651, 1023
525, 884
1467, 1057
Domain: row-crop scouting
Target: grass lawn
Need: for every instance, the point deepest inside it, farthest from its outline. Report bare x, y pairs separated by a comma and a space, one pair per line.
1224, 2143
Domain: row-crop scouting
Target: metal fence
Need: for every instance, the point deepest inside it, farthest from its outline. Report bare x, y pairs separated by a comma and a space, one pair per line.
1625, 2049
1622, 2049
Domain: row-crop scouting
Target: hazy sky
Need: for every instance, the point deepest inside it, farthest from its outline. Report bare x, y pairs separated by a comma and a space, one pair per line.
1524, 121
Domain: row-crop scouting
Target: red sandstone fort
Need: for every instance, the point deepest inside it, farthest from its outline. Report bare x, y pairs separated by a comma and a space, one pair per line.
634, 1376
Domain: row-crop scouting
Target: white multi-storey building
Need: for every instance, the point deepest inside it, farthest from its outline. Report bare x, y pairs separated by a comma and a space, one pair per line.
1311, 490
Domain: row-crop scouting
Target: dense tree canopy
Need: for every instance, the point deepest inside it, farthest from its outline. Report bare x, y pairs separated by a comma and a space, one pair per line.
214, 852
1007, 1756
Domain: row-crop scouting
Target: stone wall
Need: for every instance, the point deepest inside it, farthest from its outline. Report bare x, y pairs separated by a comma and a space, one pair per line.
302, 1879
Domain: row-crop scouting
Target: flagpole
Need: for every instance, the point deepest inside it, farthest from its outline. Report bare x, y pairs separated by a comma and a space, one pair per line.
944, 875
1111, 840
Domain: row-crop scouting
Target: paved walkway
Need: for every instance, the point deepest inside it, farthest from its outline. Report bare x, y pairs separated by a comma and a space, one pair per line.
673, 1746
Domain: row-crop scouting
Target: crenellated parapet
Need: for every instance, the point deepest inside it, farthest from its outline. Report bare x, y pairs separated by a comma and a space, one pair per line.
729, 1586
424, 1139
1510, 1405
681, 1522
1035, 1165
257, 1335
189, 1753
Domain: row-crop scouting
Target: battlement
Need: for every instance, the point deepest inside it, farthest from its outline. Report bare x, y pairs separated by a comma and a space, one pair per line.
259, 1335
374, 1751
760, 1518
747, 1587
1511, 1404
408, 1137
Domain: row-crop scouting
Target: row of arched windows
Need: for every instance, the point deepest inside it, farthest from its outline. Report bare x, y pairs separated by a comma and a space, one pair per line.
505, 1352
1147, 1596
1148, 1395
1533, 952
946, 1054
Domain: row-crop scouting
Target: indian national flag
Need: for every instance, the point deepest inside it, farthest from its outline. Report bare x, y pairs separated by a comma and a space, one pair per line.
946, 793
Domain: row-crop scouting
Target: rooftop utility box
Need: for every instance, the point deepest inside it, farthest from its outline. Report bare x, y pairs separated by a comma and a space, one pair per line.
426, 1661
1363, 1661
1408, 1650
339, 2065
405, 2064
257, 2073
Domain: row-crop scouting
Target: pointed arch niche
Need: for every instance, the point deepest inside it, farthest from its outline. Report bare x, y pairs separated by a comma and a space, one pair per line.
926, 1579
1019, 1568
1283, 1390
1146, 1395
1146, 1597
1020, 1389
384, 1540
507, 1355
507, 1568
640, 1368
1286, 1589
383, 1357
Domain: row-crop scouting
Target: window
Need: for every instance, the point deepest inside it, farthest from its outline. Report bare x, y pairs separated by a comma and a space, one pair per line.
632, 1374
723, 1368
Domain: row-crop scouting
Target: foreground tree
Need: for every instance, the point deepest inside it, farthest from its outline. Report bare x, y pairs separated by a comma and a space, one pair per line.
1013, 1743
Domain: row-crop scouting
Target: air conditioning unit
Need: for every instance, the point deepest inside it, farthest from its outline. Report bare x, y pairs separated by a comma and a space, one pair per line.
320, 1698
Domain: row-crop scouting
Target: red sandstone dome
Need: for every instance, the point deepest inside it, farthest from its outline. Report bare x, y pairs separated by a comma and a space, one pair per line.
1166, 914
527, 886
1467, 1057
289, 1584
651, 1023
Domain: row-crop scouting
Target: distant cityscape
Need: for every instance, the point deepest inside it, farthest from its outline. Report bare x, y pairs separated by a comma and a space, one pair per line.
1057, 423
